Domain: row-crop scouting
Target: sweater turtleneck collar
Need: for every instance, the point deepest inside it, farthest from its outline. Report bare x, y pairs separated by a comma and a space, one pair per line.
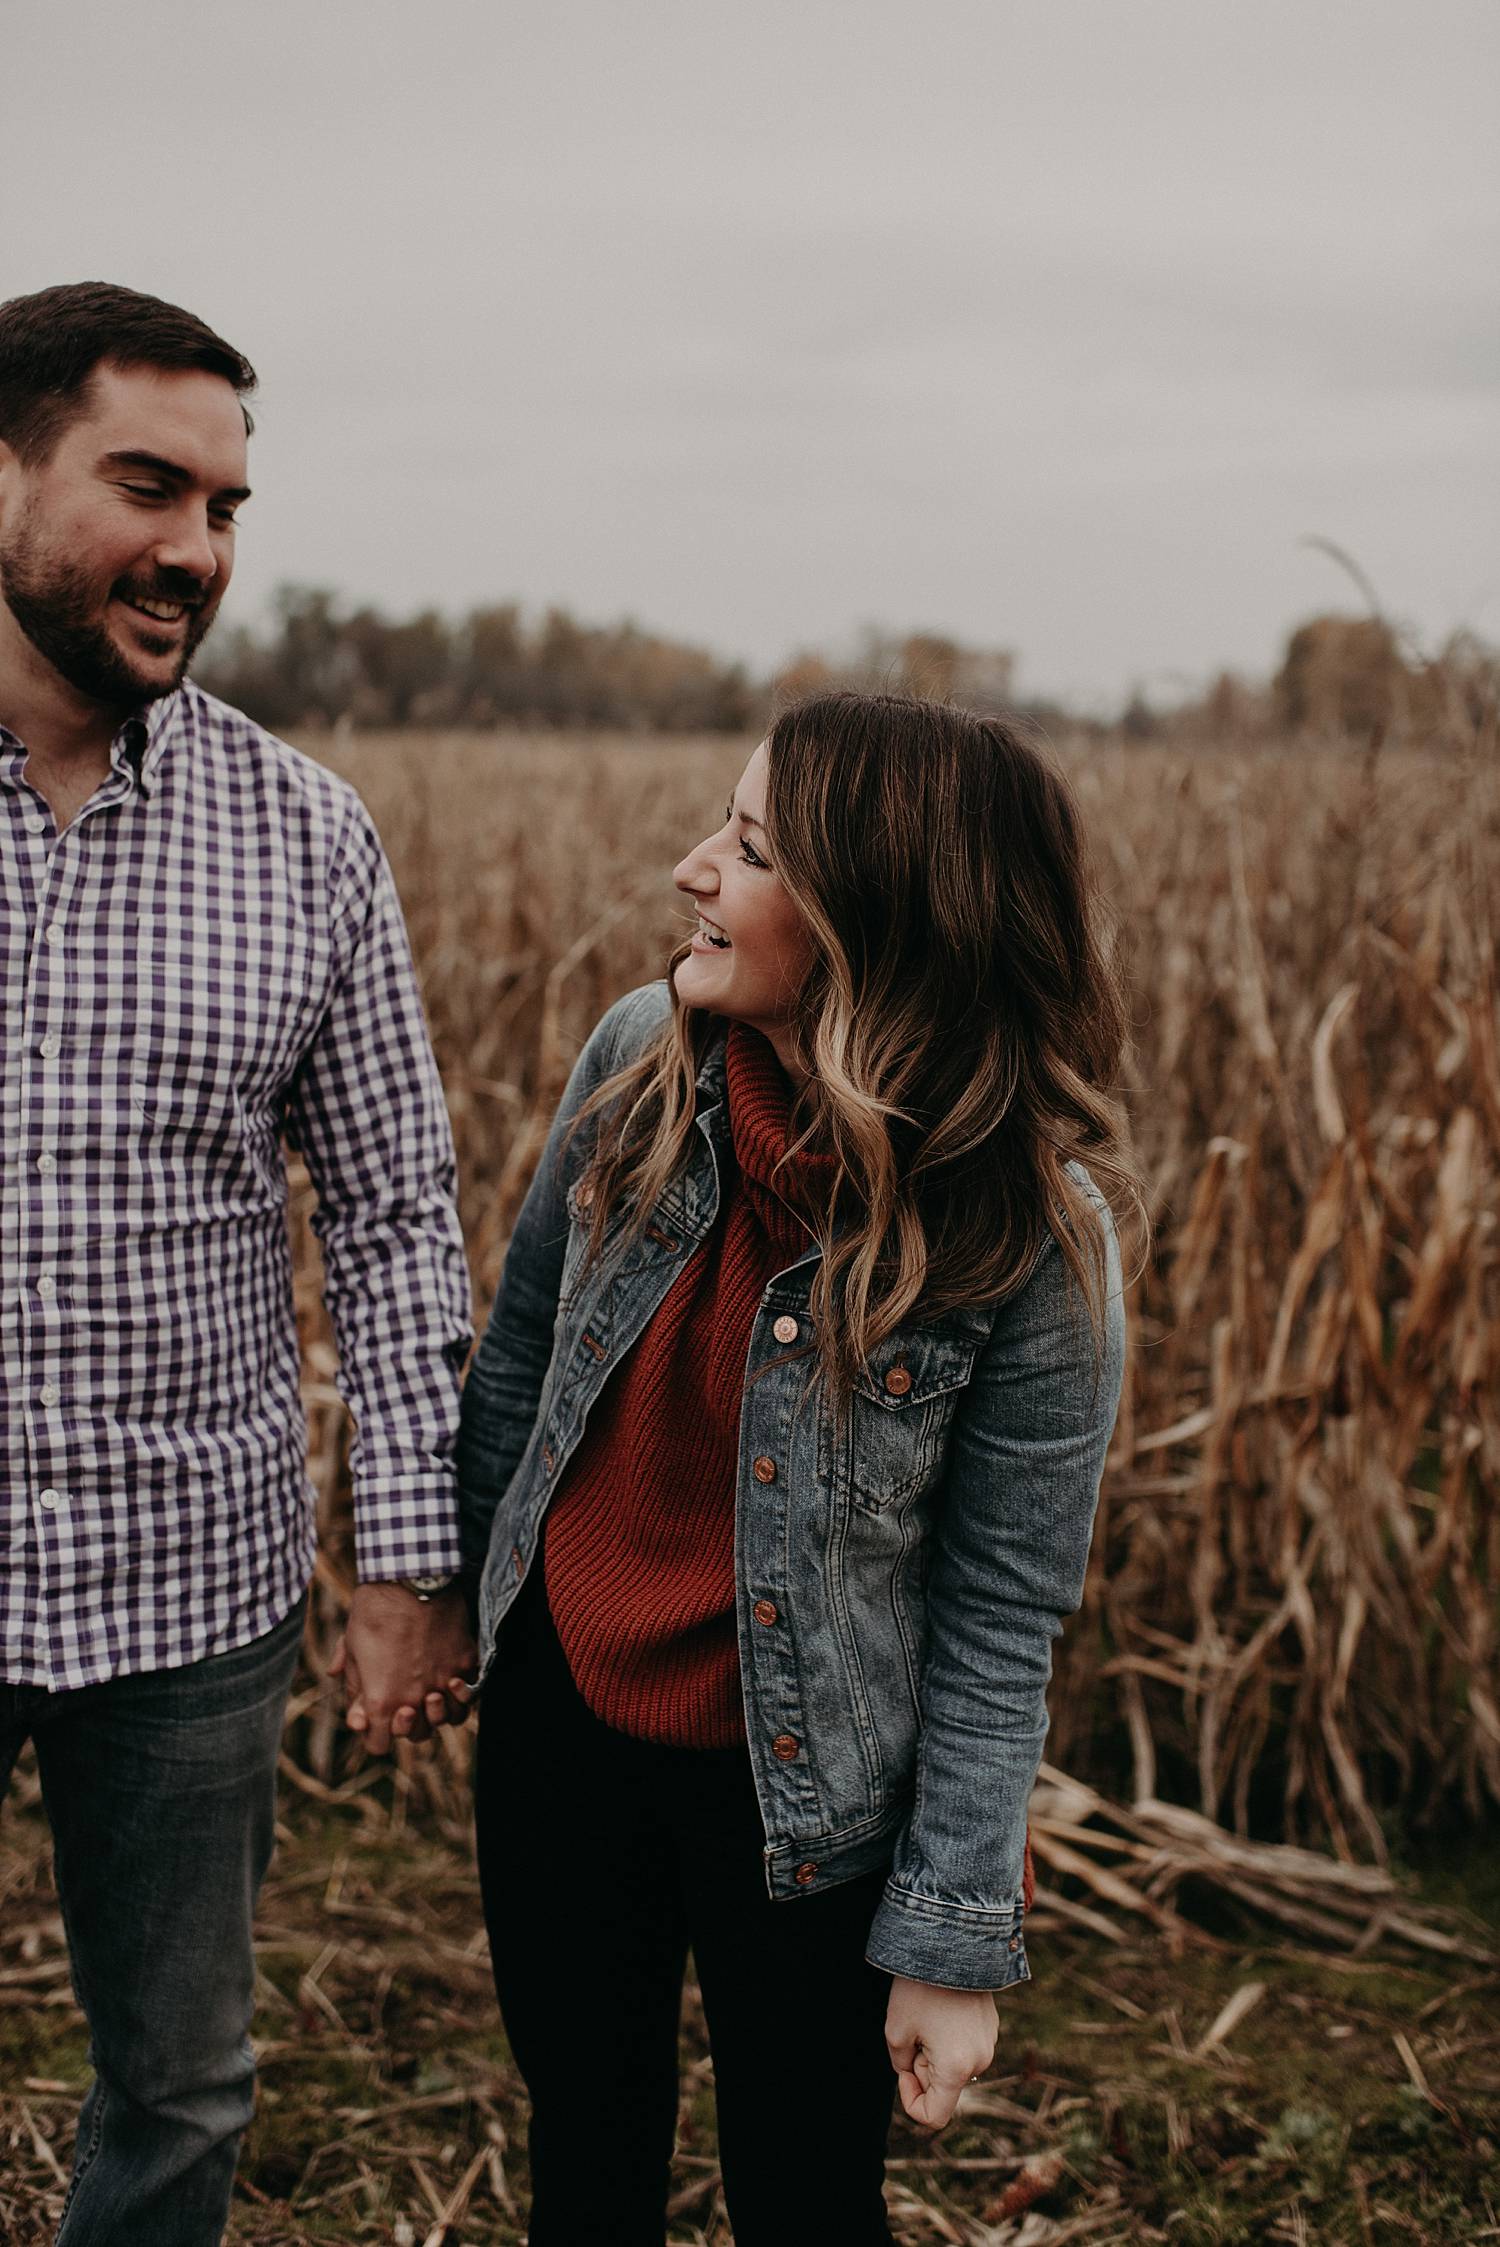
760, 1104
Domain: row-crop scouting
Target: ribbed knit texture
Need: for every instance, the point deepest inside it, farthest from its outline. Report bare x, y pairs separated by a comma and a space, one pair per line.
639, 1548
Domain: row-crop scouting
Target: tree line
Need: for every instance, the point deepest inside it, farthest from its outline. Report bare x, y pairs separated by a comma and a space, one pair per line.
320, 663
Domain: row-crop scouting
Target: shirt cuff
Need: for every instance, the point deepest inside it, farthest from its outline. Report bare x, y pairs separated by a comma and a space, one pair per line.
406, 1528
955, 1946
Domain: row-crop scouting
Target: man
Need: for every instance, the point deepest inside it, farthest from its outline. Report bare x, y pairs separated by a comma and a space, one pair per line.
200, 953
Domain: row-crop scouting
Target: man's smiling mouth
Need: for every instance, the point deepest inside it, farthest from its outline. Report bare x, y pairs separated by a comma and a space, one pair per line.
160, 612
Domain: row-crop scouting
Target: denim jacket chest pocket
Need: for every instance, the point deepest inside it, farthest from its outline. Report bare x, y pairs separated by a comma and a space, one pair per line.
580, 1200
603, 1300
888, 1447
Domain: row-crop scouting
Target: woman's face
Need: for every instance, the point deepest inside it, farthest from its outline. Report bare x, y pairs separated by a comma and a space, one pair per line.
750, 951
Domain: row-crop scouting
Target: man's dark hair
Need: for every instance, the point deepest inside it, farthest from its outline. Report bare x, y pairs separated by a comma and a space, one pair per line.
52, 342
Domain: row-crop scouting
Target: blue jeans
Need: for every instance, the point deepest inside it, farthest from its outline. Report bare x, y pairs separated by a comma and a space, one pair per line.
160, 1790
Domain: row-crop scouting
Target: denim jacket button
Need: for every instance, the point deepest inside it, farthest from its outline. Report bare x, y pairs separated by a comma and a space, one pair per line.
786, 1328
549, 1460
764, 1470
764, 1611
1015, 1942
784, 1747
805, 1875
897, 1381
516, 1561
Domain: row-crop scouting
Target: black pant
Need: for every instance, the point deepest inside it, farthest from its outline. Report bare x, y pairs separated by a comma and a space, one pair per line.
603, 1861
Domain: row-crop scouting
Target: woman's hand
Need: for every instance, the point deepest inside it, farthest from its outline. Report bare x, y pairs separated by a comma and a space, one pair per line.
938, 2041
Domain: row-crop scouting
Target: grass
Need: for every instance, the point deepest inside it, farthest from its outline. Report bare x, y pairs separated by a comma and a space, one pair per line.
1356, 2100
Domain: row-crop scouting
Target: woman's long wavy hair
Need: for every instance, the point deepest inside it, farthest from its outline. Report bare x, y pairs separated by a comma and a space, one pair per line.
956, 1037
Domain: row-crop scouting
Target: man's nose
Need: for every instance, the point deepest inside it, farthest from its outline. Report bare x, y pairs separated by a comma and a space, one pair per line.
185, 545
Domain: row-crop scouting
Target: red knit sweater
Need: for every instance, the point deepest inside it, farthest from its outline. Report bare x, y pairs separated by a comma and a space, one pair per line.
640, 1537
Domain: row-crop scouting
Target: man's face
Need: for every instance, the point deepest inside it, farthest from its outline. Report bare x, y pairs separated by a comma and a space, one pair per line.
115, 550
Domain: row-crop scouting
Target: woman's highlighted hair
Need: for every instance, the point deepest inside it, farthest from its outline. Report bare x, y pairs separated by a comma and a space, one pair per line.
959, 1031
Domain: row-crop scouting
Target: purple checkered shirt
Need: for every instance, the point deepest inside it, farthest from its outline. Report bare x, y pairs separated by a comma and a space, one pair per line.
209, 959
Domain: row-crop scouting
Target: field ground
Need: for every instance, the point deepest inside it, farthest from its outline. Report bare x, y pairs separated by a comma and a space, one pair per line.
1356, 2100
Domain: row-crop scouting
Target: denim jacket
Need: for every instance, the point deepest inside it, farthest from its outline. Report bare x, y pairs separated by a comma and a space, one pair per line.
901, 1572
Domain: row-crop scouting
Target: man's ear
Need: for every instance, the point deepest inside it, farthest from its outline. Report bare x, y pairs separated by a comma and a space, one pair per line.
10, 474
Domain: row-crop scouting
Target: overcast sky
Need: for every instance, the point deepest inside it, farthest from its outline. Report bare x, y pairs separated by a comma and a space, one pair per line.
1054, 325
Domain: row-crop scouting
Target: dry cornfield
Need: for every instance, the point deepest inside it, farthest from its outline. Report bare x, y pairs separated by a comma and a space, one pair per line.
1290, 1623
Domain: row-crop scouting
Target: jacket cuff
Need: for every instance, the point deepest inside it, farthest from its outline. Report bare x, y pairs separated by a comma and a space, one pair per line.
956, 1946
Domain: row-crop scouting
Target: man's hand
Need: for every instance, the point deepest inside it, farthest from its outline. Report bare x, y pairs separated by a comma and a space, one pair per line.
407, 1663
938, 2040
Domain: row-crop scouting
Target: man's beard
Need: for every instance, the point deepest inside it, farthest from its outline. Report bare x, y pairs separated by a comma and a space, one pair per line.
56, 603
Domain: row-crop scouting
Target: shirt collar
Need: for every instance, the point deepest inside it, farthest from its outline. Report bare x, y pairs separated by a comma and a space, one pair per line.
138, 747
146, 736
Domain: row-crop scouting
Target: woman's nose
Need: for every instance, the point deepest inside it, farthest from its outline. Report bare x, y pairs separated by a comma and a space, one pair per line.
695, 873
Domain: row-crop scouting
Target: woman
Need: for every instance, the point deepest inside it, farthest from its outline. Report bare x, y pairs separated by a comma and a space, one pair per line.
782, 1449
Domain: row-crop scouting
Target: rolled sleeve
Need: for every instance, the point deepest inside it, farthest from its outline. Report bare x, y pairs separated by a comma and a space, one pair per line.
1011, 1547
368, 1116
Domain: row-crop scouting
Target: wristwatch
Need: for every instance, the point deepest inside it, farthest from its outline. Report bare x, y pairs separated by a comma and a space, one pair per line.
425, 1588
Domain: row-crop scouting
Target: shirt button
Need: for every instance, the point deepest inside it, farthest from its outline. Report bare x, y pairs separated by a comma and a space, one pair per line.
49, 1045
784, 1747
805, 1875
51, 1499
46, 1163
786, 1329
897, 1381
35, 822
46, 1287
49, 1392
54, 932
764, 1611
764, 1470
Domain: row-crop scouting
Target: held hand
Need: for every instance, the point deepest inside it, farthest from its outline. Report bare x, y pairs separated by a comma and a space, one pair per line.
938, 2040
406, 1664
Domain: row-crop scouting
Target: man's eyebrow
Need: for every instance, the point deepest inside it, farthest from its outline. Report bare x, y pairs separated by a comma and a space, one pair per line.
171, 469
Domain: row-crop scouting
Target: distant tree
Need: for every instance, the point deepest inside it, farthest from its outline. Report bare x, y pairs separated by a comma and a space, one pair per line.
1342, 675
491, 663
406, 671
925, 663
